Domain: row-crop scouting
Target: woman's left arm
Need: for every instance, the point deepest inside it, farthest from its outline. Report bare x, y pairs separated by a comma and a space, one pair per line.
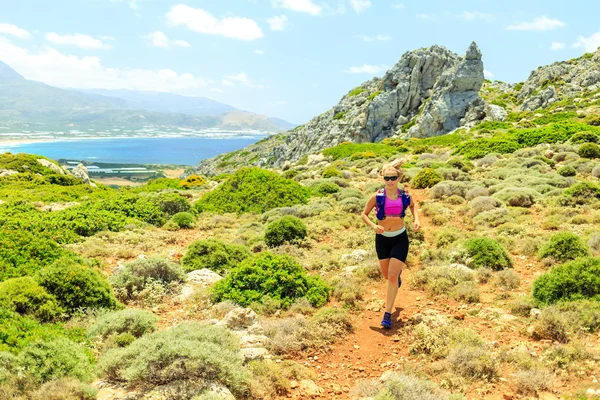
413, 210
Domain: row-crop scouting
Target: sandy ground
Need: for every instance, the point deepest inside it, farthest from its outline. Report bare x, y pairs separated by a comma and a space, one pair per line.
13, 141
116, 181
173, 173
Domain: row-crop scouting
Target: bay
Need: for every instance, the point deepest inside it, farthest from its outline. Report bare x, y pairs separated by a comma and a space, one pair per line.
155, 150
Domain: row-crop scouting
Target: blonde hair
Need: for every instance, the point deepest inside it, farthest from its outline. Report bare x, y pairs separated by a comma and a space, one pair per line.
394, 165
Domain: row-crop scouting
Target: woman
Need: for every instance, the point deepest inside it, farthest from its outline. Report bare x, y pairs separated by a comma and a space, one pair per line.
391, 239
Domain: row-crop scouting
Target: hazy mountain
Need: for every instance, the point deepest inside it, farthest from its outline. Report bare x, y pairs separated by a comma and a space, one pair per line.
164, 102
283, 124
30, 104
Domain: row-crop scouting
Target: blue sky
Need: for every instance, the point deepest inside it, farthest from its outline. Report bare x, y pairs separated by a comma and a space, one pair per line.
292, 59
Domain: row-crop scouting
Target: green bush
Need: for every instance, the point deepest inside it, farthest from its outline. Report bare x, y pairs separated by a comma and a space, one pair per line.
193, 181
288, 229
518, 197
134, 322
26, 297
483, 252
331, 172
137, 275
339, 115
171, 203
362, 155
575, 280
23, 253
183, 220
58, 358
356, 91
589, 150
478, 148
214, 255
374, 94
156, 185
280, 277
324, 188
493, 125
426, 178
406, 387
553, 133
253, 190
190, 352
564, 246
567, 170
76, 286
585, 137
346, 149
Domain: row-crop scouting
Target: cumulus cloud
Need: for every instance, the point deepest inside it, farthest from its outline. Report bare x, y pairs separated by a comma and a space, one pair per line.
590, 44
360, 5
78, 40
487, 74
278, 23
14, 30
159, 39
201, 21
55, 68
557, 46
367, 69
542, 23
306, 6
365, 38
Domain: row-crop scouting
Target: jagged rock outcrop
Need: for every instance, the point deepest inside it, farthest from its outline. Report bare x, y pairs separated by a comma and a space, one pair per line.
81, 172
52, 166
396, 104
550, 83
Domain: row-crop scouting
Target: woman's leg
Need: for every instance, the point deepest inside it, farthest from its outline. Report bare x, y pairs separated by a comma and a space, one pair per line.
394, 269
383, 266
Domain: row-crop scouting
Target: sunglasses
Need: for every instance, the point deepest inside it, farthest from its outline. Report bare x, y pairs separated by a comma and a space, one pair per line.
390, 178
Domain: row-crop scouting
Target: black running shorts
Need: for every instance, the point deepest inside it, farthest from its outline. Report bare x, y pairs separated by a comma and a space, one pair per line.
392, 247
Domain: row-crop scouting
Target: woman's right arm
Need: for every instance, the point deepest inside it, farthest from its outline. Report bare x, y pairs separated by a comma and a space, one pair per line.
365, 216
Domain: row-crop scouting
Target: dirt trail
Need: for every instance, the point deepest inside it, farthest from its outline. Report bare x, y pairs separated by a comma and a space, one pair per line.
371, 350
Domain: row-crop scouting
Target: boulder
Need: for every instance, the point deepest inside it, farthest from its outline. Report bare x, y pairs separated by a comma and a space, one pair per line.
51, 165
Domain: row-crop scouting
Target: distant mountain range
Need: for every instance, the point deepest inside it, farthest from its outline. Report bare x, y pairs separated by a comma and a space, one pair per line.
34, 105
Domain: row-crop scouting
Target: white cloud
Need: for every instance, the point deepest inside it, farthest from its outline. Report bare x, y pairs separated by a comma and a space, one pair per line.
159, 39
14, 30
475, 15
360, 5
590, 43
306, 6
278, 23
243, 79
367, 69
259, 52
50, 66
557, 46
77, 39
201, 21
373, 38
487, 74
399, 6
542, 23
424, 16
225, 82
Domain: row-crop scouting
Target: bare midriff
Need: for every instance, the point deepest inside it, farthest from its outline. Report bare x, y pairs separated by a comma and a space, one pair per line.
392, 223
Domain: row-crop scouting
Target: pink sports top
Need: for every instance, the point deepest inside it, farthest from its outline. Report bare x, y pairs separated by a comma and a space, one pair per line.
393, 208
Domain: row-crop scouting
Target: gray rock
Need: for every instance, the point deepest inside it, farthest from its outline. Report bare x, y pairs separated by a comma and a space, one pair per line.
51, 165
239, 318
203, 277
543, 99
535, 313
254, 353
7, 172
356, 256
81, 172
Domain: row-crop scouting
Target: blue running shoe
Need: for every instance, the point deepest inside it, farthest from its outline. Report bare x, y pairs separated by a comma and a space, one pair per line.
387, 320
400, 279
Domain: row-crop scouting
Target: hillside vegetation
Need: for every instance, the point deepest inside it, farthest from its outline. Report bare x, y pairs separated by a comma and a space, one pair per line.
501, 296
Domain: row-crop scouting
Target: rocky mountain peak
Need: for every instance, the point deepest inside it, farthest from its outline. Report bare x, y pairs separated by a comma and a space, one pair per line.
473, 52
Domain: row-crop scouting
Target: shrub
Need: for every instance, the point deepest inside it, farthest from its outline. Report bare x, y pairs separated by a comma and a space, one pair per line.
507, 279
339, 115
346, 149
331, 172
518, 197
400, 386
583, 192
567, 170
183, 220
58, 358
352, 205
483, 203
280, 277
134, 322
361, 155
76, 286
139, 274
356, 91
189, 352
25, 296
467, 291
288, 229
324, 188
552, 325
427, 178
596, 171
483, 252
445, 237
476, 192
473, 363
585, 137
65, 389
479, 148
564, 246
193, 181
374, 94
214, 255
253, 190
532, 381
589, 150
579, 279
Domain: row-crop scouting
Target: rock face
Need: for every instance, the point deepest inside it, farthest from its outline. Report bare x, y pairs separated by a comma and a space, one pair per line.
52, 166
81, 172
571, 78
430, 89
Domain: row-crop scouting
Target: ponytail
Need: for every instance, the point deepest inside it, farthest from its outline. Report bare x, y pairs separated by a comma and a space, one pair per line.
395, 165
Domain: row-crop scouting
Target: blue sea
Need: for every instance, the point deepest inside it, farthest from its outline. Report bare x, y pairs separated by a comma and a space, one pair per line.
171, 150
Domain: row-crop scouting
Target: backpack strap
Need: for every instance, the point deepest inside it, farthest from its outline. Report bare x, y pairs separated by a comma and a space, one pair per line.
405, 201
380, 203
